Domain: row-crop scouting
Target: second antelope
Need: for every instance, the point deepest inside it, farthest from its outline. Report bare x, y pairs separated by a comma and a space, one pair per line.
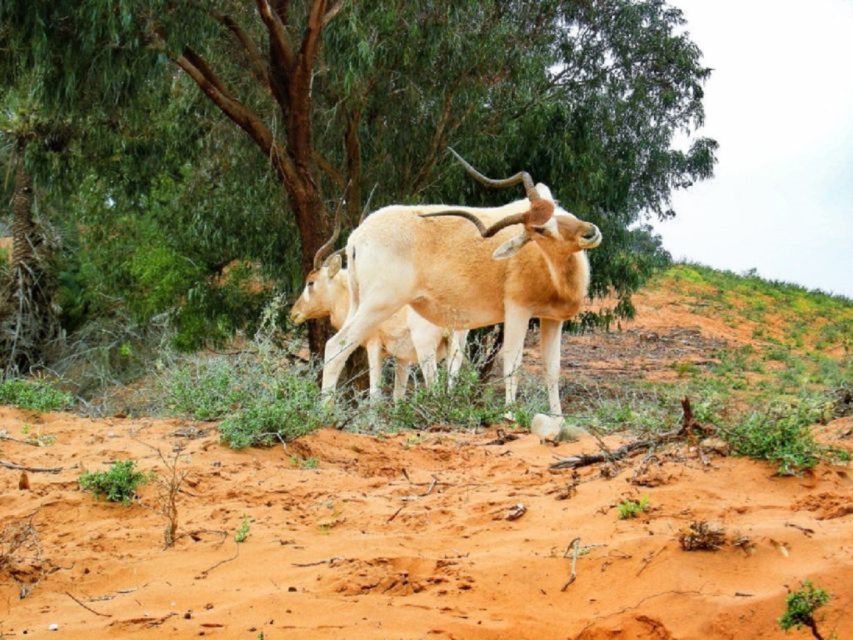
469, 267
405, 334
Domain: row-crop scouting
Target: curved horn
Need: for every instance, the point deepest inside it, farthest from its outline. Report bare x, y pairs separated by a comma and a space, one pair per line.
324, 251
486, 232
521, 176
366, 209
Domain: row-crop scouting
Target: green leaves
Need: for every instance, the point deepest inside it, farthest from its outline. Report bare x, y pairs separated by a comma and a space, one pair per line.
119, 484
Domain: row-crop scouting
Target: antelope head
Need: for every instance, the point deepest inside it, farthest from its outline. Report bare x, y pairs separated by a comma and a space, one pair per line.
545, 223
317, 298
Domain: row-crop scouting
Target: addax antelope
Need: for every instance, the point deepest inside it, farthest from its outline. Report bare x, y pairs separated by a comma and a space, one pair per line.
405, 335
469, 267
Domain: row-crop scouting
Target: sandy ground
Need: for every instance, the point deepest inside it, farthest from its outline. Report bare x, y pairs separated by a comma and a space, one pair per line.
407, 537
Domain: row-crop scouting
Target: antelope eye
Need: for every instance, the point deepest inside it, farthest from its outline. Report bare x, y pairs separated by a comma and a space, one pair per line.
310, 284
541, 232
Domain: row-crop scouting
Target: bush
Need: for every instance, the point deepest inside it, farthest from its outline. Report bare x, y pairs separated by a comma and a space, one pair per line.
468, 404
289, 407
119, 484
37, 395
782, 435
801, 607
203, 391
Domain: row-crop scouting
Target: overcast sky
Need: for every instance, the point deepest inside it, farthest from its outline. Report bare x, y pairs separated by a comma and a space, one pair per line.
780, 103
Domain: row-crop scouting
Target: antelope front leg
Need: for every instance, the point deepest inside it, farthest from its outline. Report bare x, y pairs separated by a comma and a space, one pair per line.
515, 329
374, 364
550, 332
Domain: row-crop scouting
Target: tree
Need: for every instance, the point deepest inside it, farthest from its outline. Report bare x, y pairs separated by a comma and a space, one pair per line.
341, 96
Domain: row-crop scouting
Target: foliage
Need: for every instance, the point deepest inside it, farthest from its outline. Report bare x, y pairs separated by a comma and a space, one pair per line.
801, 605
37, 395
632, 508
202, 391
242, 531
119, 484
782, 434
156, 191
469, 403
291, 407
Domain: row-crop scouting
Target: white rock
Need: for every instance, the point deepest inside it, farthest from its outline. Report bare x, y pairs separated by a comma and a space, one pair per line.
53, 627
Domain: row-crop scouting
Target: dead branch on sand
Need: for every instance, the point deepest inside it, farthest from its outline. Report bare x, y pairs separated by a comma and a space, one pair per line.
207, 571
88, 608
685, 430
19, 467
574, 545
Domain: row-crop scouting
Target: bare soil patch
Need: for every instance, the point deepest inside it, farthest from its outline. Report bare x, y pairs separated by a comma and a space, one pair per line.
388, 540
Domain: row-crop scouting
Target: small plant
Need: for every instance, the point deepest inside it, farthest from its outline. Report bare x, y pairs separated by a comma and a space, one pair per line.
304, 463
168, 488
801, 607
701, 536
632, 508
37, 395
119, 484
242, 531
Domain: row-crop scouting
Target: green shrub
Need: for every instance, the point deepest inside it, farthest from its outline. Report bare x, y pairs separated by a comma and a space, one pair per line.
37, 395
782, 434
119, 484
632, 508
289, 407
468, 403
801, 607
203, 391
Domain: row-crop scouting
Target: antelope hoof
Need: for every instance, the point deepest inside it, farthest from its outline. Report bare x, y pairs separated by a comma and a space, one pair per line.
554, 429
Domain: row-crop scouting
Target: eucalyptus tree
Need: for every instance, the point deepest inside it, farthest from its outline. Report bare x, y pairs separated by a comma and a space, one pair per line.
339, 96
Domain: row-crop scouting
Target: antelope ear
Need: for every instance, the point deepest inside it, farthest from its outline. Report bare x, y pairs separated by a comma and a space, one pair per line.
334, 265
544, 192
512, 246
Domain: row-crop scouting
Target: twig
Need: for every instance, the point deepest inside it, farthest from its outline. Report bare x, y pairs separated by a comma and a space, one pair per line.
302, 565
207, 571
6, 436
88, 608
808, 532
18, 467
647, 561
431, 486
575, 546
396, 513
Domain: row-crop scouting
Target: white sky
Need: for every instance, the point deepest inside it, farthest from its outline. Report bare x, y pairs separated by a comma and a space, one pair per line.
780, 103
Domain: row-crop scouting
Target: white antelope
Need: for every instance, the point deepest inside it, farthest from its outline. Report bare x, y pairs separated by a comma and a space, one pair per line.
405, 335
516, 262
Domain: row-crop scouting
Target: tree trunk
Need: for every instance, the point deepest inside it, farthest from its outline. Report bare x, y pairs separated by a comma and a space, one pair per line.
22, 214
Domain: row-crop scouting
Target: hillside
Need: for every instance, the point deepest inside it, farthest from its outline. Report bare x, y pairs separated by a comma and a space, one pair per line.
410, 534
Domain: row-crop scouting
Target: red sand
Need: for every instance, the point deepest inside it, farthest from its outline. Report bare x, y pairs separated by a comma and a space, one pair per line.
366, 546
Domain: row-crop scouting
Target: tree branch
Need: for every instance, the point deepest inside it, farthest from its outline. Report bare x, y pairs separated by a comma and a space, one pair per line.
259, 67
334, 10
330, 170
279, 39
195, 67
299, 125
